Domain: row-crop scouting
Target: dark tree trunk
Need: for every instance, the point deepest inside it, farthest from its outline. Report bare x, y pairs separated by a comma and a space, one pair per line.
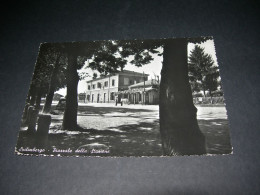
49, 98
72, 78
52, 87
178, 116
38, 99
210, 94
33, 98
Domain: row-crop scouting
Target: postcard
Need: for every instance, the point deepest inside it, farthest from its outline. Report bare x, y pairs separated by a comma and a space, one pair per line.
122, 98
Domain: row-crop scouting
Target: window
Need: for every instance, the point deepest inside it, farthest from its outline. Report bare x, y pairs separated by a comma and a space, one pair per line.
93, 86
99, 85
88, 87
112, 96
106, 83
126, 81
113, 82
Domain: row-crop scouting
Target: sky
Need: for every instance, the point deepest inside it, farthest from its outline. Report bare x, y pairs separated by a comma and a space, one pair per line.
154, 68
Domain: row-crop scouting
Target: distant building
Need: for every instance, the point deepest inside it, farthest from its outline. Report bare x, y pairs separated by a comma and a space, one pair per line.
82, 97
56, 97
105, 89
145, 92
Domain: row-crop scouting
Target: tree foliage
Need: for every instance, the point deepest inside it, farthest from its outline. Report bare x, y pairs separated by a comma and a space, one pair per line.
203, 73
111, 56
49, 56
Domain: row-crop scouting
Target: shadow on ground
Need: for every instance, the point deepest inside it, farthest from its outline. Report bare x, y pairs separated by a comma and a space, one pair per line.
217, 135
141, 139
137, 138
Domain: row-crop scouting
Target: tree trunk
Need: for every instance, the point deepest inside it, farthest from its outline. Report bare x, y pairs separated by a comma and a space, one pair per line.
49, 98
33, 98
179, 128
38, 99
52, 87
72, 78
210, 94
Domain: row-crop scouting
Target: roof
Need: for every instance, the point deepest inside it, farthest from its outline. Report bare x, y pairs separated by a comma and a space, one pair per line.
133, 72
146, 83
120, 72
136, 90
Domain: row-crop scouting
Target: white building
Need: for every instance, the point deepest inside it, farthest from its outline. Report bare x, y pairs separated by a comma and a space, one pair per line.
105, 89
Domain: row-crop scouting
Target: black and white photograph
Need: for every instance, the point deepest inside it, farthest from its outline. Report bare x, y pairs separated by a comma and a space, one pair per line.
122, 98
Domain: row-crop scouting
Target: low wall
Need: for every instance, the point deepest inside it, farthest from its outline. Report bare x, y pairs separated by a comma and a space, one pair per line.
209, 100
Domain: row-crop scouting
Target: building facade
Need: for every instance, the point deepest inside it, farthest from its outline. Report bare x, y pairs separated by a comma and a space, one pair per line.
145, 92
105, 89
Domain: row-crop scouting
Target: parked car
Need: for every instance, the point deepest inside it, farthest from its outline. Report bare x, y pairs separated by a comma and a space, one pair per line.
61, 104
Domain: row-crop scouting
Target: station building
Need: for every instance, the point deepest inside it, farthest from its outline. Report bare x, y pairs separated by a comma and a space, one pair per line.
106, 89
126, 86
